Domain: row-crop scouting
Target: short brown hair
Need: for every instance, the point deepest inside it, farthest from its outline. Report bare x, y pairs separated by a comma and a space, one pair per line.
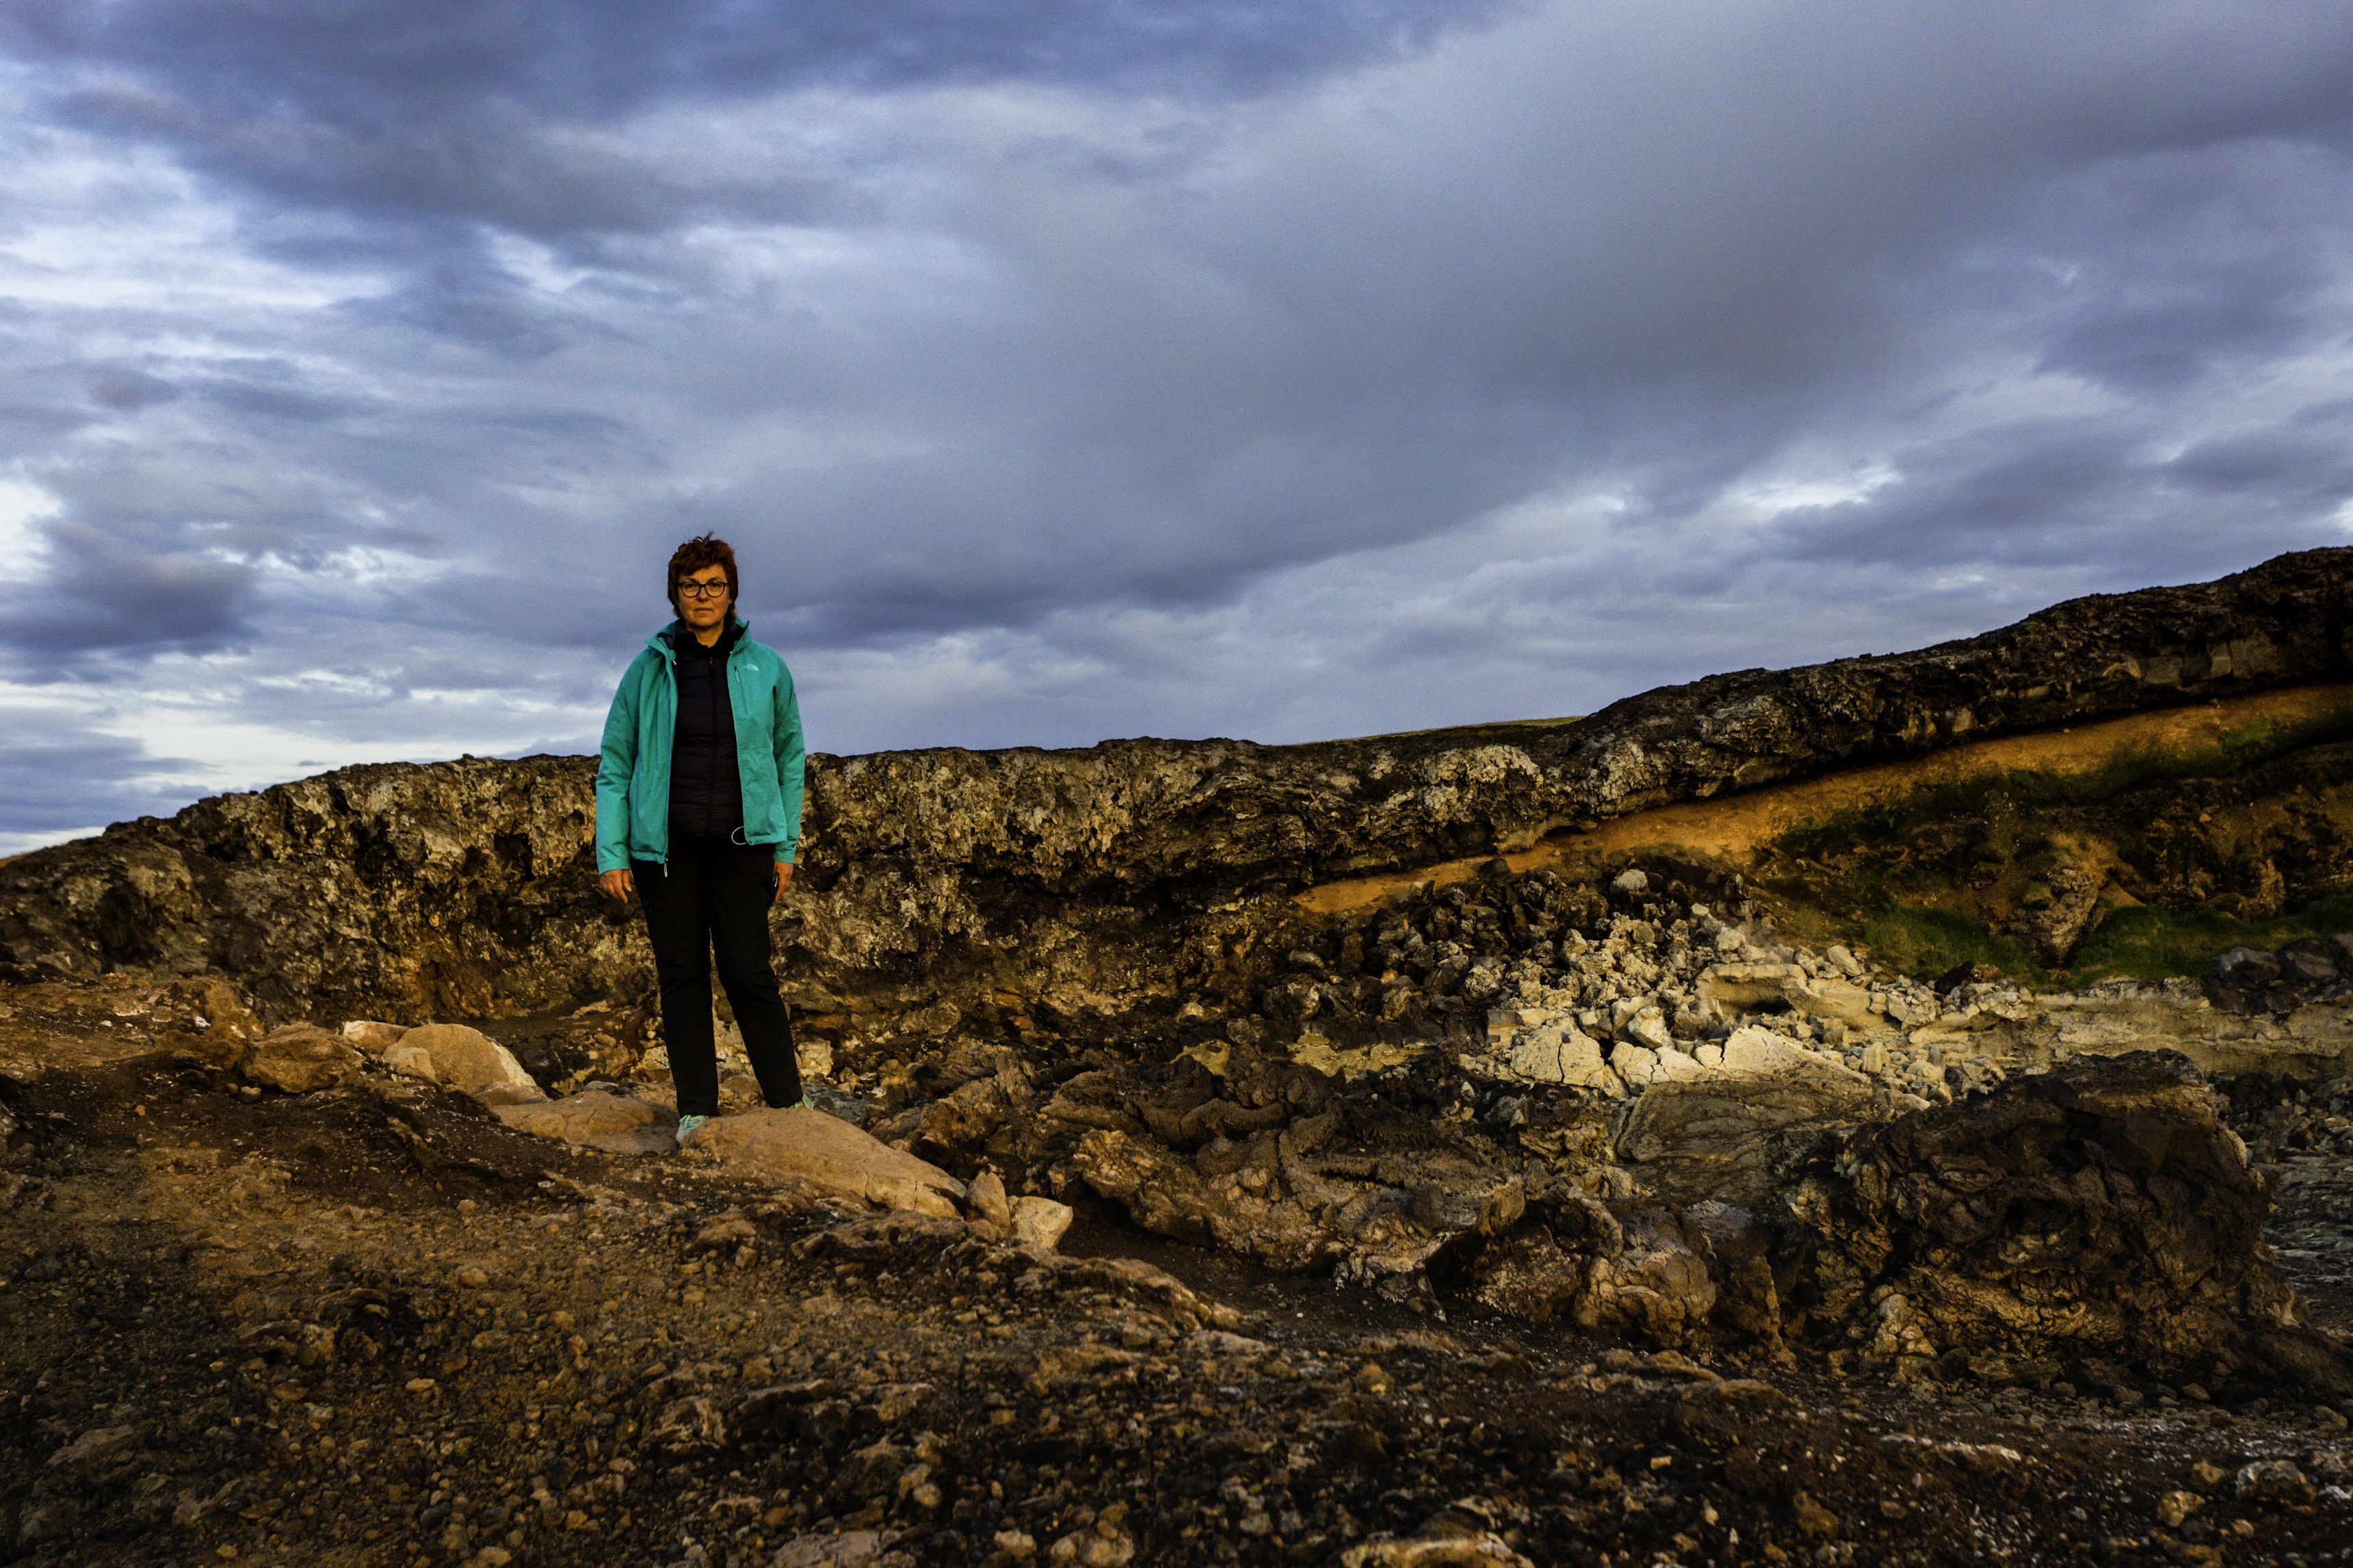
703, 549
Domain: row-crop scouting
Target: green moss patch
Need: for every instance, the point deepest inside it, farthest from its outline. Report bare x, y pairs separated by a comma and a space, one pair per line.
2149, 943
1926, 942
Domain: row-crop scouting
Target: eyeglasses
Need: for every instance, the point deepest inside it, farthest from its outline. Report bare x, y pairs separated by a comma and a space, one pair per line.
687, 590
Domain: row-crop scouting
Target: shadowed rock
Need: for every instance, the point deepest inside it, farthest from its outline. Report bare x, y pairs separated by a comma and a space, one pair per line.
301, 1057
2101, 1210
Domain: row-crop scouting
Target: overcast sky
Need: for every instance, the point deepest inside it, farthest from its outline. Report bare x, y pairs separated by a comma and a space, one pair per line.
1270, 368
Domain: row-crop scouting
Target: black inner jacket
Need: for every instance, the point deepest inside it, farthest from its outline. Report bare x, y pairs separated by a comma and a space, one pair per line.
706, 792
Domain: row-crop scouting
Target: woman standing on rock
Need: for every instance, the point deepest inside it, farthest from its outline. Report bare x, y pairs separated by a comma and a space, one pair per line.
698, 812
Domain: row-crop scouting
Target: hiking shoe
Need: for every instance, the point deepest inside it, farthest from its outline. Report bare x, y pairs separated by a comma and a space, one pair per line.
687, 1124
803, 1103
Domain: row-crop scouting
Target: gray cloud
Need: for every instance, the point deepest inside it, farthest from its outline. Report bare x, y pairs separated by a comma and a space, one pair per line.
1069, 371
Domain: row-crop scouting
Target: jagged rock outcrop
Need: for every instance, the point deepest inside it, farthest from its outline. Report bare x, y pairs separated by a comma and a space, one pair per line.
1103, 877
2098, 1212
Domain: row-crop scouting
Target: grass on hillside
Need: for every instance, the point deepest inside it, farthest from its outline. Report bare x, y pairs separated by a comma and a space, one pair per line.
2011, 811
2013, 796
2141, 942
1926, 940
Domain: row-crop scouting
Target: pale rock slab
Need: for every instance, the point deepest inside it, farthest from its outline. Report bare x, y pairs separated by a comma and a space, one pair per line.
1751, 988
1503, 1022
1752, 1052
1636, 1065
617, 1123
1676, 1066
1642, 1067
829, 1154
301, 1057
1755, 987
1553, 1054
473, 1063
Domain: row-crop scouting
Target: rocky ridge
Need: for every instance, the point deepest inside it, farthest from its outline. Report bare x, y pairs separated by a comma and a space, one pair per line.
1113, 876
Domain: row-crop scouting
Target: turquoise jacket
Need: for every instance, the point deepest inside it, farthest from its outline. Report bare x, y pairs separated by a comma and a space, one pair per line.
633, 765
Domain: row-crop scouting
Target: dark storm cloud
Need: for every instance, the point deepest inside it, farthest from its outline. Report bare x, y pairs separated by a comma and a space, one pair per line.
126, 390
1064, 371
108, 595
431, 111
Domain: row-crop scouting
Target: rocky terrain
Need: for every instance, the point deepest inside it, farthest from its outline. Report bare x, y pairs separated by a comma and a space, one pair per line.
1892, 1110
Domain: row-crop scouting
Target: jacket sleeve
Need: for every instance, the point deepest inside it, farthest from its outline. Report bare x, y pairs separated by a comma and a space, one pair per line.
616, 763
791, 761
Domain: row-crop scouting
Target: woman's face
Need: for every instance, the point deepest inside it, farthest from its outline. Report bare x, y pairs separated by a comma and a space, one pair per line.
702, 598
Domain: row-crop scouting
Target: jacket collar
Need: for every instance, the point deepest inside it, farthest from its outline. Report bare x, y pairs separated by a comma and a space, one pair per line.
738, 630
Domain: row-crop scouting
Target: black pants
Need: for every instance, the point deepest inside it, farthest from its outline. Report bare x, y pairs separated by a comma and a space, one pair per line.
715, 898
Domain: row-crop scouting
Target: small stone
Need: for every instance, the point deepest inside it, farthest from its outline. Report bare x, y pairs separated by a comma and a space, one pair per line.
373, 1037
1813, 1518
988, 1202
472, 1278
2176, 1506
2270, 1482
410, 1061
1041, 1223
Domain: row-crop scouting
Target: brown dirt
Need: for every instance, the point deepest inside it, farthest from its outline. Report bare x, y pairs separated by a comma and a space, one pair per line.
173, 1249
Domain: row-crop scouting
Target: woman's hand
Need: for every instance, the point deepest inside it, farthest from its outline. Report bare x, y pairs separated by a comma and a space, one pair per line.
784, 879
618, 884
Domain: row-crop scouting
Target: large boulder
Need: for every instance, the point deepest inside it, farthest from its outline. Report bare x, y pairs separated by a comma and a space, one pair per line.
1736, 1120
797, 1145
2099, 1211
473, 1063
617, 1123
1643, 1273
